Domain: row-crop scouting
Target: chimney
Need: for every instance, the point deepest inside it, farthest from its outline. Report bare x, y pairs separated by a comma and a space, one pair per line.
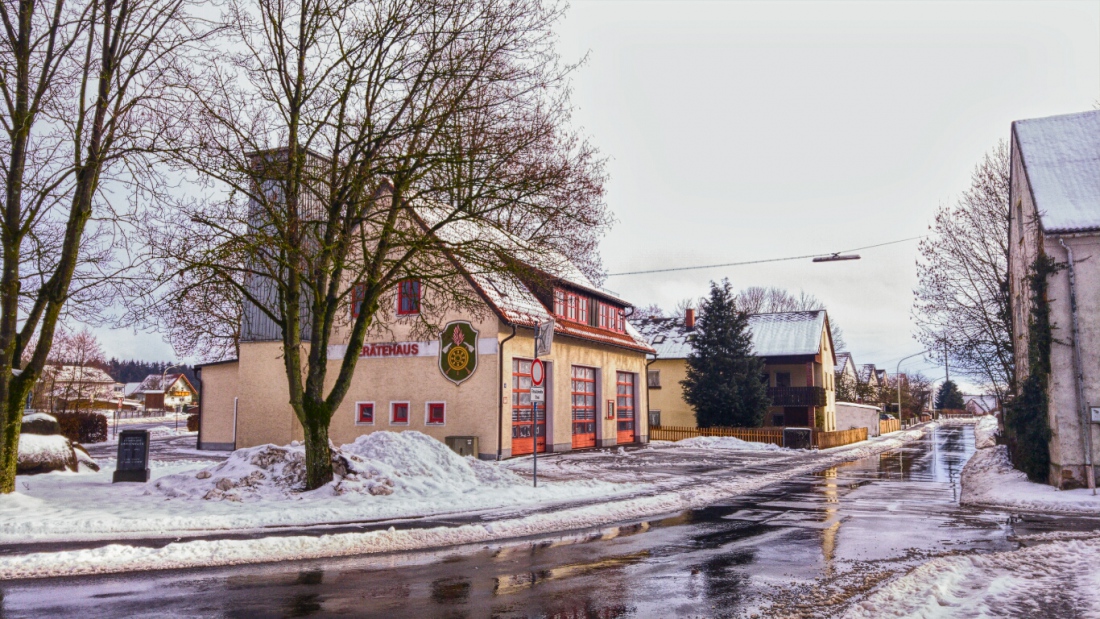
689, 319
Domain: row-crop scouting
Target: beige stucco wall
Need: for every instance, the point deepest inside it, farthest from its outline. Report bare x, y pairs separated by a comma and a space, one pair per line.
850, 415
219, 389
567, 352
669, 399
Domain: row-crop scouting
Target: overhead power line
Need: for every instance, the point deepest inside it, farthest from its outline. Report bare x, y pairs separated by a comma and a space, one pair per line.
743, 263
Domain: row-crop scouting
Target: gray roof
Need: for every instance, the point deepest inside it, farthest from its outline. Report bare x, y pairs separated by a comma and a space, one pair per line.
773, 335
842, 359
1061, 157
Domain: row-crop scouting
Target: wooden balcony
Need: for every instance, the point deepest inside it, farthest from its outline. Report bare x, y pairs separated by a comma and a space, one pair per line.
797, 396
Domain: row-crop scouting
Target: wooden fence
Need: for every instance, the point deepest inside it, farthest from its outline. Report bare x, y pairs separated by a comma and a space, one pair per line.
752, 435
888, 425
953, 413
825, 440
820, 440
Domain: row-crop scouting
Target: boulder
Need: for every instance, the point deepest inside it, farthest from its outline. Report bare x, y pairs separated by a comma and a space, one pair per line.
40, 423
46, 453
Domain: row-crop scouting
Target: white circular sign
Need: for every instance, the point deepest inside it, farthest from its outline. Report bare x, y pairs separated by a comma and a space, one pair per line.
537, 372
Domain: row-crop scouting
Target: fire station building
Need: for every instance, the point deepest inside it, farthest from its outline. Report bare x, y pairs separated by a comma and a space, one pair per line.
472, 378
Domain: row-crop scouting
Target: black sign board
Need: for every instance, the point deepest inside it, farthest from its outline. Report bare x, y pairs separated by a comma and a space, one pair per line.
798, 438
133, 456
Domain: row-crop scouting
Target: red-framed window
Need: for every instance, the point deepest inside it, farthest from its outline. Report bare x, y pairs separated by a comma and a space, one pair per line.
624, 404
364, 412
605, 315
620, 321
358, 294
437, 412
582, 310
408, 297
559, 303
570, 306
399, 412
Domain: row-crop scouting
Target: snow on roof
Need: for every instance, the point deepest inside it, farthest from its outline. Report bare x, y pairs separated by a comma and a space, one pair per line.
984, 403
85, 374
843, 359
152, 383
773, 335
1061, 157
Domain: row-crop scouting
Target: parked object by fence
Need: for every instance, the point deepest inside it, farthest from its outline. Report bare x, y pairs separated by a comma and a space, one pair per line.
888, 425
83, 427
820, 439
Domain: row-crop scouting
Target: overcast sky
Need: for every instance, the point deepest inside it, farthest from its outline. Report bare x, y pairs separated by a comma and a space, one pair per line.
742, 130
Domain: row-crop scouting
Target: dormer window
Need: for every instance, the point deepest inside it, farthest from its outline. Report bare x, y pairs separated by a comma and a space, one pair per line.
408, 297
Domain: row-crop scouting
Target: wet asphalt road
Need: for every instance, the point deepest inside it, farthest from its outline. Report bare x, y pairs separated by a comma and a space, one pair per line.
806, 547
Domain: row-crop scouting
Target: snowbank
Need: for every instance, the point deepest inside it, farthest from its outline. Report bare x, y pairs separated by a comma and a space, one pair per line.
613, 507
1048, 580
377, 464
726, 442
985, 432
43, 453
988, 479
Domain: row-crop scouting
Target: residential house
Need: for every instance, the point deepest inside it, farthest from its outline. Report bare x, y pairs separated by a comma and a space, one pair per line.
978, 405
1054, 209
74, 387
472, 377
799, 361
165, 392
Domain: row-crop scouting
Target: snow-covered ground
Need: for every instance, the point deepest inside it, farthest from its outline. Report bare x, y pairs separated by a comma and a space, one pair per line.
1055, 579
85, 506
989, 480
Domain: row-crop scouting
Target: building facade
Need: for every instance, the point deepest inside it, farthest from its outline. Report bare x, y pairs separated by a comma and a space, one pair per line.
472, 379
798, 354
1054, 209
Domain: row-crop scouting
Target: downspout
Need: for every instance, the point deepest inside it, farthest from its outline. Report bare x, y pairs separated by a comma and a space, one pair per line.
1078, 372
500, 401
198, 437
649, 429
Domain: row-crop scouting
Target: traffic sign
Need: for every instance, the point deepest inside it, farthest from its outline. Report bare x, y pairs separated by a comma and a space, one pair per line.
538, 372
544, 338
538, 394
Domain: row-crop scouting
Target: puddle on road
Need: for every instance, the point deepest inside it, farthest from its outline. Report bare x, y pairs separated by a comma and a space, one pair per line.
799, 548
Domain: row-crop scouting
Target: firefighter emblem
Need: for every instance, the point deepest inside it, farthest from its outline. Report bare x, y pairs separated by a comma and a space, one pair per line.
458, 351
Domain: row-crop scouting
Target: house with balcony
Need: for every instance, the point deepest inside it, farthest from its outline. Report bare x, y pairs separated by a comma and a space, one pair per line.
799, 361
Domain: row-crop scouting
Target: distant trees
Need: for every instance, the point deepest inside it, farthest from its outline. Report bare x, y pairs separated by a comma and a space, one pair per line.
916, 394
961, 300
723, 376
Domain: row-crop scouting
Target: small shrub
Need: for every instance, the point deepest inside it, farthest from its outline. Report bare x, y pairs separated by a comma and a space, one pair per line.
83, 427
193, 423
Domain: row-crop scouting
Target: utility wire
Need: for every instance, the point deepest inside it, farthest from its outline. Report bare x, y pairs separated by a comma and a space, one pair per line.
737, 264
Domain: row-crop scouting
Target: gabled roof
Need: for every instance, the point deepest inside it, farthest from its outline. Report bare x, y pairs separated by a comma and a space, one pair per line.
1061, 158
513, 300
780, 334
843, 359
153, 384
84, 374
867, 372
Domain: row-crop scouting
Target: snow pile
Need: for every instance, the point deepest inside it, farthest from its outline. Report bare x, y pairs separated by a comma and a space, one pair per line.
985, 432
44, 453
726, 442
1059, 579
989, 479
377, 464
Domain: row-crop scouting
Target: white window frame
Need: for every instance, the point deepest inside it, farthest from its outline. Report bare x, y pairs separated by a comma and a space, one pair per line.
427, 413
408, 406
374, 414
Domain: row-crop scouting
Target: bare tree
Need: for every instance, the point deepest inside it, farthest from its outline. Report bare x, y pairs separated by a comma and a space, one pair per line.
650, 311
350, 145
77, 358
81, 82
961, 299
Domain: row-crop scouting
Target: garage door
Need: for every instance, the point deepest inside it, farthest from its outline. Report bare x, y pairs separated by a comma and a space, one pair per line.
521, 411
584, 407
624, 407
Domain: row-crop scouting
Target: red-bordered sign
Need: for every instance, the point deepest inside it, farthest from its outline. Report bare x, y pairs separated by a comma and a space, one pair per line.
538, 372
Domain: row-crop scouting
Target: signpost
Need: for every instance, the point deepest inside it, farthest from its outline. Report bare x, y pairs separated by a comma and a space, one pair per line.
133, 456
544, 339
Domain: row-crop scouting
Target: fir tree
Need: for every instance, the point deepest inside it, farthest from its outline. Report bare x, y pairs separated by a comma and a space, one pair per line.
723, 377
949, 396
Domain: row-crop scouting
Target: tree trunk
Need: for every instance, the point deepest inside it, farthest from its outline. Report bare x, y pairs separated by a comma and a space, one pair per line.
318, 454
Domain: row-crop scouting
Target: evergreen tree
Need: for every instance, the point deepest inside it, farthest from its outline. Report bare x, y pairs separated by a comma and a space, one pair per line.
723, 377
949, 396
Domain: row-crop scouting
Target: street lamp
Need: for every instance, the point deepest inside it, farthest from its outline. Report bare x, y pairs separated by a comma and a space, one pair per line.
897, 376
837, 257
164, 394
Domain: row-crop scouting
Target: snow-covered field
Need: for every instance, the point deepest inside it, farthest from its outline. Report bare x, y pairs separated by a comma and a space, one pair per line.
989, 480
70, 509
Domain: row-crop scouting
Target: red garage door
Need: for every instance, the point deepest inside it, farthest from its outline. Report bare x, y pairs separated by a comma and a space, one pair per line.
624, 406
521, 411
584, 407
